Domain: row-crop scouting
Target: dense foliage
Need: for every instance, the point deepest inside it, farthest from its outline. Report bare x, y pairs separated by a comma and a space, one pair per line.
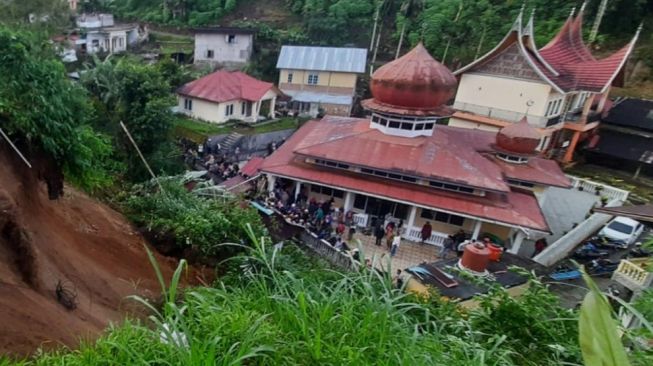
284, 308
193, 221
140, 96
47, 113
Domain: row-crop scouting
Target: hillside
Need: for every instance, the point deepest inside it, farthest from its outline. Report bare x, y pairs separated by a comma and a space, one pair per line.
88, 246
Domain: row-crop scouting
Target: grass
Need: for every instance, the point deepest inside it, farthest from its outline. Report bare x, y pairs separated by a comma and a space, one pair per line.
286, 308
198, 131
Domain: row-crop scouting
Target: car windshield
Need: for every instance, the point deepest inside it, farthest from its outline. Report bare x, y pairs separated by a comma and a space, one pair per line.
620, 227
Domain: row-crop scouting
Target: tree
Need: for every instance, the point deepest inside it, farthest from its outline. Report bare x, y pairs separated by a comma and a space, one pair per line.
138, 95
48, 115
408, 9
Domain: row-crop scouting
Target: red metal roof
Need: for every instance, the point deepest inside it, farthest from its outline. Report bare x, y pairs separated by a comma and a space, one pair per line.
570, 57
441, 156
223, 86
565, 61
511, 207
252, 167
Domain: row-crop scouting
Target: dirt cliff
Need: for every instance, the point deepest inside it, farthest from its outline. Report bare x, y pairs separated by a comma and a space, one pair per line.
75, 241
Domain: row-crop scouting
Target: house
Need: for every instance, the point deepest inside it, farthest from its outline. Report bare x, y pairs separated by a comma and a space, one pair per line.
562, 87
320, 78
223, 46
99, 33
224, 95
625, 138
403, 165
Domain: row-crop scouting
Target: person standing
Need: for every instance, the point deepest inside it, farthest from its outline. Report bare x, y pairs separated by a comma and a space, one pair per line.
389, 231
379, 234
427, 230
396, 241
540, 245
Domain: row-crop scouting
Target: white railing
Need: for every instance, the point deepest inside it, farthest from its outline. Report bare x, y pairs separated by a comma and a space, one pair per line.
361, 219
502, 114
632, 275
415, 234
612, 193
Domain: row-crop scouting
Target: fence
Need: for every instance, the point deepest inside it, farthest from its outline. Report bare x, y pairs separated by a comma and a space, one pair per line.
612, 193
326, 251
361, 219
415, 234
632, 275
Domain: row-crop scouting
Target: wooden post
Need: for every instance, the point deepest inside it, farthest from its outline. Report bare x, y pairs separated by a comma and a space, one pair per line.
569, 154
131, 139
639, 169
15, 148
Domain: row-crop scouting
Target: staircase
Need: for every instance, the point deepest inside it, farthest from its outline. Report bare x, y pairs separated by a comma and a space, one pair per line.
230, 141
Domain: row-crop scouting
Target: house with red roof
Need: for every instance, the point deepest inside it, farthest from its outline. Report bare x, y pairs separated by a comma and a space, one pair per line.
562, 87
402, 164
227, 95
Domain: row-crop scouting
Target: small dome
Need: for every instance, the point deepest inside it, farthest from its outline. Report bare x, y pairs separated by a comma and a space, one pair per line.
519, 138
415, 81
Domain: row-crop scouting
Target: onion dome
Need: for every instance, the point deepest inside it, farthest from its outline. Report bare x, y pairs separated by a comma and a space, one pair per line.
518, 138
415, 81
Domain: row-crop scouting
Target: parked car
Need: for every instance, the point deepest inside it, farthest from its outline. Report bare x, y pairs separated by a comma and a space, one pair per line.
622, 230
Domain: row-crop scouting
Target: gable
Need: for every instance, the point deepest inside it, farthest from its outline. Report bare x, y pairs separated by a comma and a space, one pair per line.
510, 62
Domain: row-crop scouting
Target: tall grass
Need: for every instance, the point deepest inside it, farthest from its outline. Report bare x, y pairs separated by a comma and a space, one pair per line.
280, 307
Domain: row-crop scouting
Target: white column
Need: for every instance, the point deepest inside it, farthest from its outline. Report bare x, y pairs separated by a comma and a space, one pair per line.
477, 229
298, 188
273, 102
271, 180
411, 216
349, 201
516, 244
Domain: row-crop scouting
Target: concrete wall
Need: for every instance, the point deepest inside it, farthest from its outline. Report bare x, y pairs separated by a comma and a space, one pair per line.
503, 93
223, 52
327, 252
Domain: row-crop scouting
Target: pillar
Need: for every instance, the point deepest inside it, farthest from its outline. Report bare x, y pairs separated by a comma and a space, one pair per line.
411, 216
349, 201
298, 189
569, 154
477, 229
516, 244
271, 180
273, 103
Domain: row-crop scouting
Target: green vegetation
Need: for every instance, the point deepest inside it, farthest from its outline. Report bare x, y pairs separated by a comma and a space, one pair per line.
48, 115
198, 131
193, 221
284, 308
140, 96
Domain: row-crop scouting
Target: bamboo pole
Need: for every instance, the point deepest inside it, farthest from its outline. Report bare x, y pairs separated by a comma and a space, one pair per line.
131, 139
15, 148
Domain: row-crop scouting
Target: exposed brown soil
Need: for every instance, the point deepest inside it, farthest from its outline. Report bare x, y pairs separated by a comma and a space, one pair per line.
74, 240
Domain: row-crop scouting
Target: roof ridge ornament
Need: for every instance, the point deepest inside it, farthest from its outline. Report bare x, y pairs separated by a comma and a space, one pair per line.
582, 8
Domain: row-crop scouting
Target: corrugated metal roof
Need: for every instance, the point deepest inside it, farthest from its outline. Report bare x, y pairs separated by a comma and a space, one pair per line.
313, 97
339, 59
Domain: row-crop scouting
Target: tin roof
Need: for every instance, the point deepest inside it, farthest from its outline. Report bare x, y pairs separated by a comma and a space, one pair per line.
352, 140
338, 59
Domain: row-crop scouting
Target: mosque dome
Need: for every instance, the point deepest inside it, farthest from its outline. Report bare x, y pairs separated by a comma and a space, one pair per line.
519, 138
413, 81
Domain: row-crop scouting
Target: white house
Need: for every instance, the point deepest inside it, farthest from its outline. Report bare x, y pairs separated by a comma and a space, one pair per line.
223, 96
223, 46
101, 34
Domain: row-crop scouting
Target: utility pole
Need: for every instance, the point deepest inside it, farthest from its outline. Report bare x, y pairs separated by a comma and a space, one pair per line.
597, 21
131, 139
2, 133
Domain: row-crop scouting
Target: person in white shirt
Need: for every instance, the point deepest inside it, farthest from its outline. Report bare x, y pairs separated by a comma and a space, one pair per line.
396, 241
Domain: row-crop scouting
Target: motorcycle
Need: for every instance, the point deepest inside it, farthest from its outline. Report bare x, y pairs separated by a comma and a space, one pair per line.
589, 251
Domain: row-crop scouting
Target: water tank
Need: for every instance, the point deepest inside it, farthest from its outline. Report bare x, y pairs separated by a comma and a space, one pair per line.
475, 257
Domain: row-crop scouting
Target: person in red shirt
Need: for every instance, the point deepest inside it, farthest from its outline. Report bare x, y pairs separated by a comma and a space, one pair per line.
427, 230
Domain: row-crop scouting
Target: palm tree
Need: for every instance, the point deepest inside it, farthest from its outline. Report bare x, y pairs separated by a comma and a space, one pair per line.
408, 8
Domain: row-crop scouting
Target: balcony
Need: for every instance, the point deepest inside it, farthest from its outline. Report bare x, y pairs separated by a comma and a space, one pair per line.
632, 274
505, 115
577, 117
